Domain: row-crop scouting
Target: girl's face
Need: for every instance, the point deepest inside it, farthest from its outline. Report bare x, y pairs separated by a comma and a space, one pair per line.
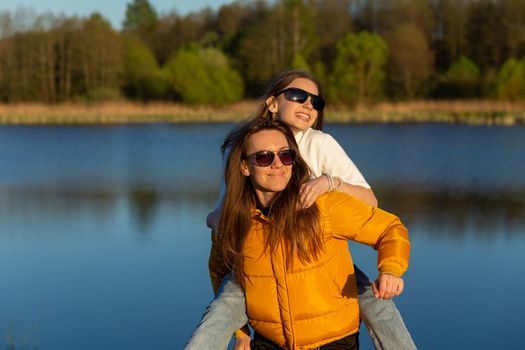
267, 180
298, 116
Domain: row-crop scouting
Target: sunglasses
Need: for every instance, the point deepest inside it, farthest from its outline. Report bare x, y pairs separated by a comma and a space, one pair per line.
300, 96
266, 158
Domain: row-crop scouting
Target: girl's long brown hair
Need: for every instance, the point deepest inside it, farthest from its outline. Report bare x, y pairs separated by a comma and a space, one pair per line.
278, 83
287, 222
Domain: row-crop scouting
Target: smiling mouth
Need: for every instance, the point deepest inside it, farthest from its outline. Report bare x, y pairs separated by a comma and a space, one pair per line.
303, 116
278, 174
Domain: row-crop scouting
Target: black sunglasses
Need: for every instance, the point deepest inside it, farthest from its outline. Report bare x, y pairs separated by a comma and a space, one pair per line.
266, 158
300, 96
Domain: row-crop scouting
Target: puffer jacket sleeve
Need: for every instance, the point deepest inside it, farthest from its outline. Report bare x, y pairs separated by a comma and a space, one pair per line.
354, 220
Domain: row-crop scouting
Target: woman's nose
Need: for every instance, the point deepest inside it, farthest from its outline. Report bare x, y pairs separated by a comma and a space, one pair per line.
308, 102
277, 162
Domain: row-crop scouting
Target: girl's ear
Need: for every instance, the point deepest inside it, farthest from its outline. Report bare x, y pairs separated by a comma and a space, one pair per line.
272, 104
244, 168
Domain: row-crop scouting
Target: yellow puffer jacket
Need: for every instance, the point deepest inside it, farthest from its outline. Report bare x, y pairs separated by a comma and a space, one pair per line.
315, 304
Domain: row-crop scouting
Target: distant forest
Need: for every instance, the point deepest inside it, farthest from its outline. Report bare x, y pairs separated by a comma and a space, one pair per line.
362, 51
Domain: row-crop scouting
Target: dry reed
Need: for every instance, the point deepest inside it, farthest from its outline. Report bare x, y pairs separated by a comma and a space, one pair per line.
472, 112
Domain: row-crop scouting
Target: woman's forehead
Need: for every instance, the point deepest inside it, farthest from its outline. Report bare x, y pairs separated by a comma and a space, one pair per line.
304, 84
267, 140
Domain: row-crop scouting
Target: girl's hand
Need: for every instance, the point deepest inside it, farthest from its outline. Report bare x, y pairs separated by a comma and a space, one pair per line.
387, 286
313, 189
242, 342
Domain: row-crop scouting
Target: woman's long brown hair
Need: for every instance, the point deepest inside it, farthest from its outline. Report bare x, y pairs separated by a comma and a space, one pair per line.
278, 83
298, 228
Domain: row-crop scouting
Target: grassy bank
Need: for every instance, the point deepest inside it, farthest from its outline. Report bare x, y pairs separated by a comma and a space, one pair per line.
463, 112
468, 112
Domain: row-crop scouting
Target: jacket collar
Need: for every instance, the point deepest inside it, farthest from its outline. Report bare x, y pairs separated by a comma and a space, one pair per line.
259, 215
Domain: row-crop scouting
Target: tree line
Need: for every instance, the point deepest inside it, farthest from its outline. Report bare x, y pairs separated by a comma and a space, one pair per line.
362, 50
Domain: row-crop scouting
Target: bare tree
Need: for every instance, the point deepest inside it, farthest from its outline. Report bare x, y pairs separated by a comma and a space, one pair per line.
99, 54
452, 28
411, 60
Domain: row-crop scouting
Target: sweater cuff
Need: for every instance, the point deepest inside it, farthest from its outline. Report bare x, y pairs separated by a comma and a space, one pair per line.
392, 269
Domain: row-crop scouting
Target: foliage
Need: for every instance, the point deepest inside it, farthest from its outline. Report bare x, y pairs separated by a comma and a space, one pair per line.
203, 76
140, 15
299, 62
53, 59
461, 80
319, 71
359, 71
143, 78
510, 80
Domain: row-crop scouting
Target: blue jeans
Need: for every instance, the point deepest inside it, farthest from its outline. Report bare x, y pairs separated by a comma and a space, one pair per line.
227, 313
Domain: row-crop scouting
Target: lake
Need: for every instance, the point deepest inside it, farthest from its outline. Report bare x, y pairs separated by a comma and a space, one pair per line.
103, 242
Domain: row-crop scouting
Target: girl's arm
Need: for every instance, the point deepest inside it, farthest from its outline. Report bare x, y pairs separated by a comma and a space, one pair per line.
326, 156
316, 187
362, 193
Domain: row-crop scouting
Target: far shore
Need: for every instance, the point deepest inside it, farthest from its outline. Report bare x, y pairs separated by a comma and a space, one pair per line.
462, 112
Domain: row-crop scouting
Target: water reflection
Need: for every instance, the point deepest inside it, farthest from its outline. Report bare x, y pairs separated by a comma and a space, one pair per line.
143, 202
453, 213
102, 229
449, 213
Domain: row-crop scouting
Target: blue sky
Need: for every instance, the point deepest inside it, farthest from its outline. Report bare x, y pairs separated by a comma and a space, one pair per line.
113, 10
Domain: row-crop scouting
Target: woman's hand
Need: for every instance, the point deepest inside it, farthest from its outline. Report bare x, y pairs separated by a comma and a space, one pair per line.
387, 286
313, 189
242, 342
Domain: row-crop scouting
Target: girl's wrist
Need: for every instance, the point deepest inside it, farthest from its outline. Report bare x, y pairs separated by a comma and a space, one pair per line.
338, 182
334, 183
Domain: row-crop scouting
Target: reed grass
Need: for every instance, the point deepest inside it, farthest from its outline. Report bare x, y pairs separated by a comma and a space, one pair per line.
469, 112
120, 112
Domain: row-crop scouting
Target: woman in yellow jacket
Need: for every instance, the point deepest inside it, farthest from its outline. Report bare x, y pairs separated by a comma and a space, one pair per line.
293, 263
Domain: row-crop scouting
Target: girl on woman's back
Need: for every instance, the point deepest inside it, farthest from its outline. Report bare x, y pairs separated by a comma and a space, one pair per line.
295, 98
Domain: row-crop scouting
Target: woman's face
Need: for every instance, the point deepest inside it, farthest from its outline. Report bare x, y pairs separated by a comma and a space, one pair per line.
298, 116
272, 179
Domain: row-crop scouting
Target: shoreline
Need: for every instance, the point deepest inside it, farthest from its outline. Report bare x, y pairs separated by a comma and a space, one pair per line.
451, 112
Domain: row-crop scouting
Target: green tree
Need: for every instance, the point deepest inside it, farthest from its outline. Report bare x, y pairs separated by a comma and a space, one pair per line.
140, 15
203, 76
510, 80
299, 62
142, 77
359, 68
462, 80
411, 60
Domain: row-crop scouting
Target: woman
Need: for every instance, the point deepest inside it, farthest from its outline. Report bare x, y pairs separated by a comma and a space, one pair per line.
293, 262
295, 97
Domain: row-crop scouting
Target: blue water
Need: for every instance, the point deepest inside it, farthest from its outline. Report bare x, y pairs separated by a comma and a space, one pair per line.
103, 243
